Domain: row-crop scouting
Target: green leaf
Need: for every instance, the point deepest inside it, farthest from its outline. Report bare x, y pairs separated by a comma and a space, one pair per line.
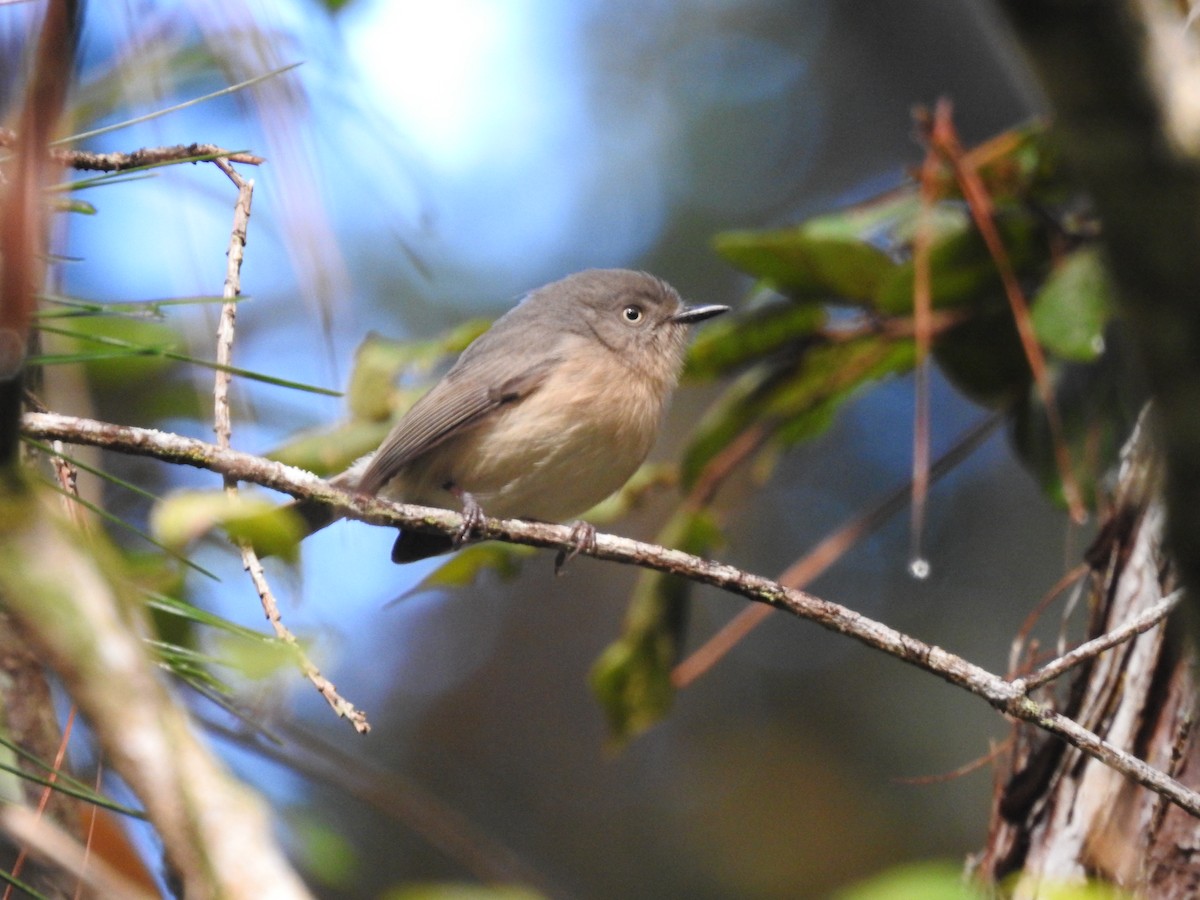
118, 521
130, 350
983, 358
231, 89
379, 362
173, 606
388, 377
327, 853
794, 399
962, 272
164, 351
183, 517
734, 341
632, 677
138, 309
649, 478
824, 258
1073, 305
63, 781
256, 659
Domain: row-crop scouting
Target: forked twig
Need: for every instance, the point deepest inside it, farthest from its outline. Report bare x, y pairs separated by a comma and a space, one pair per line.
1090, 649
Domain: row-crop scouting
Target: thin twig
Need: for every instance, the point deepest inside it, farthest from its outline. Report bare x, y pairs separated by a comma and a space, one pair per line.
223, 426
1147, 620
222, 422
324, 686
1020, 641
142, 158
994, 689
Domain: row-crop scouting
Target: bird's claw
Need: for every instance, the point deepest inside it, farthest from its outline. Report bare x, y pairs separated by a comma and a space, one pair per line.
472, 514
583, 538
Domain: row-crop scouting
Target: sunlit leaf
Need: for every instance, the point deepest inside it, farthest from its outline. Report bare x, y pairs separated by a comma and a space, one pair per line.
183, 517
329, 450
107, 516
174, 606
122, 350
81, 207
255, 659
648, 479
164, 351
379, 362
140, 309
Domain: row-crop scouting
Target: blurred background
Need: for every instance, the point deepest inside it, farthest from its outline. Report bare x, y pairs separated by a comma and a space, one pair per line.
429, 162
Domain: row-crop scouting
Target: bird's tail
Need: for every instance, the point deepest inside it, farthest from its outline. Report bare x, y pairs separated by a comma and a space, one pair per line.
314, 514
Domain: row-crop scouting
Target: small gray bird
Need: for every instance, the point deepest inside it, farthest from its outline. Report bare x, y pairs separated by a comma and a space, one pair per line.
543, 416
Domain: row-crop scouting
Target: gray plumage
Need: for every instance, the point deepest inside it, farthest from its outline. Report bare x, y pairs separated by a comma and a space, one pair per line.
543, 415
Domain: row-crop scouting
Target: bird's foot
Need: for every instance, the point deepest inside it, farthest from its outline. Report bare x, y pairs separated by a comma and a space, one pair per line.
583, 537
472, 514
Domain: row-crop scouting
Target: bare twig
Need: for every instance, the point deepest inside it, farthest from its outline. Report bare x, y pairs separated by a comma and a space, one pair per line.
994, 689
142, 158
223, 426
222, 423
1147, 620
324, 686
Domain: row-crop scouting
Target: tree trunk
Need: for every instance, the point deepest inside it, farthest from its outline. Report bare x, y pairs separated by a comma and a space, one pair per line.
1062, 817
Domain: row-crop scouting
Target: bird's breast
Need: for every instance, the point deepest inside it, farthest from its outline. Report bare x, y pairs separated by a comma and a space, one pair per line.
555, 453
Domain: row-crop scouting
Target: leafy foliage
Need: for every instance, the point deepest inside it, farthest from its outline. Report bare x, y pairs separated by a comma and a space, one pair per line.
842, 319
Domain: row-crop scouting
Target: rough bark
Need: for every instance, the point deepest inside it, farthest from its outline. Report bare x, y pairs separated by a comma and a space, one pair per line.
1061, 817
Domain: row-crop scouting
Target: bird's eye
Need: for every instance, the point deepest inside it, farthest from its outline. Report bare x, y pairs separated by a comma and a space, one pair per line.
632, 314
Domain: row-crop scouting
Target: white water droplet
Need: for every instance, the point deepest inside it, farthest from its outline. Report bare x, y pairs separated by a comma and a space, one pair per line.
919, 568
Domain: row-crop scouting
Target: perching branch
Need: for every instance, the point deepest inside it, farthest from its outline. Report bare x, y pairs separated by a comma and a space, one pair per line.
1005, 696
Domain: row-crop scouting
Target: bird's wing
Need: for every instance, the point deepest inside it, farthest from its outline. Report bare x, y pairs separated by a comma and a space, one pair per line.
462, 400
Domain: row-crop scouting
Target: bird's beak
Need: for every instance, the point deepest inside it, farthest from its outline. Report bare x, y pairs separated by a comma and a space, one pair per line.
690, 315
